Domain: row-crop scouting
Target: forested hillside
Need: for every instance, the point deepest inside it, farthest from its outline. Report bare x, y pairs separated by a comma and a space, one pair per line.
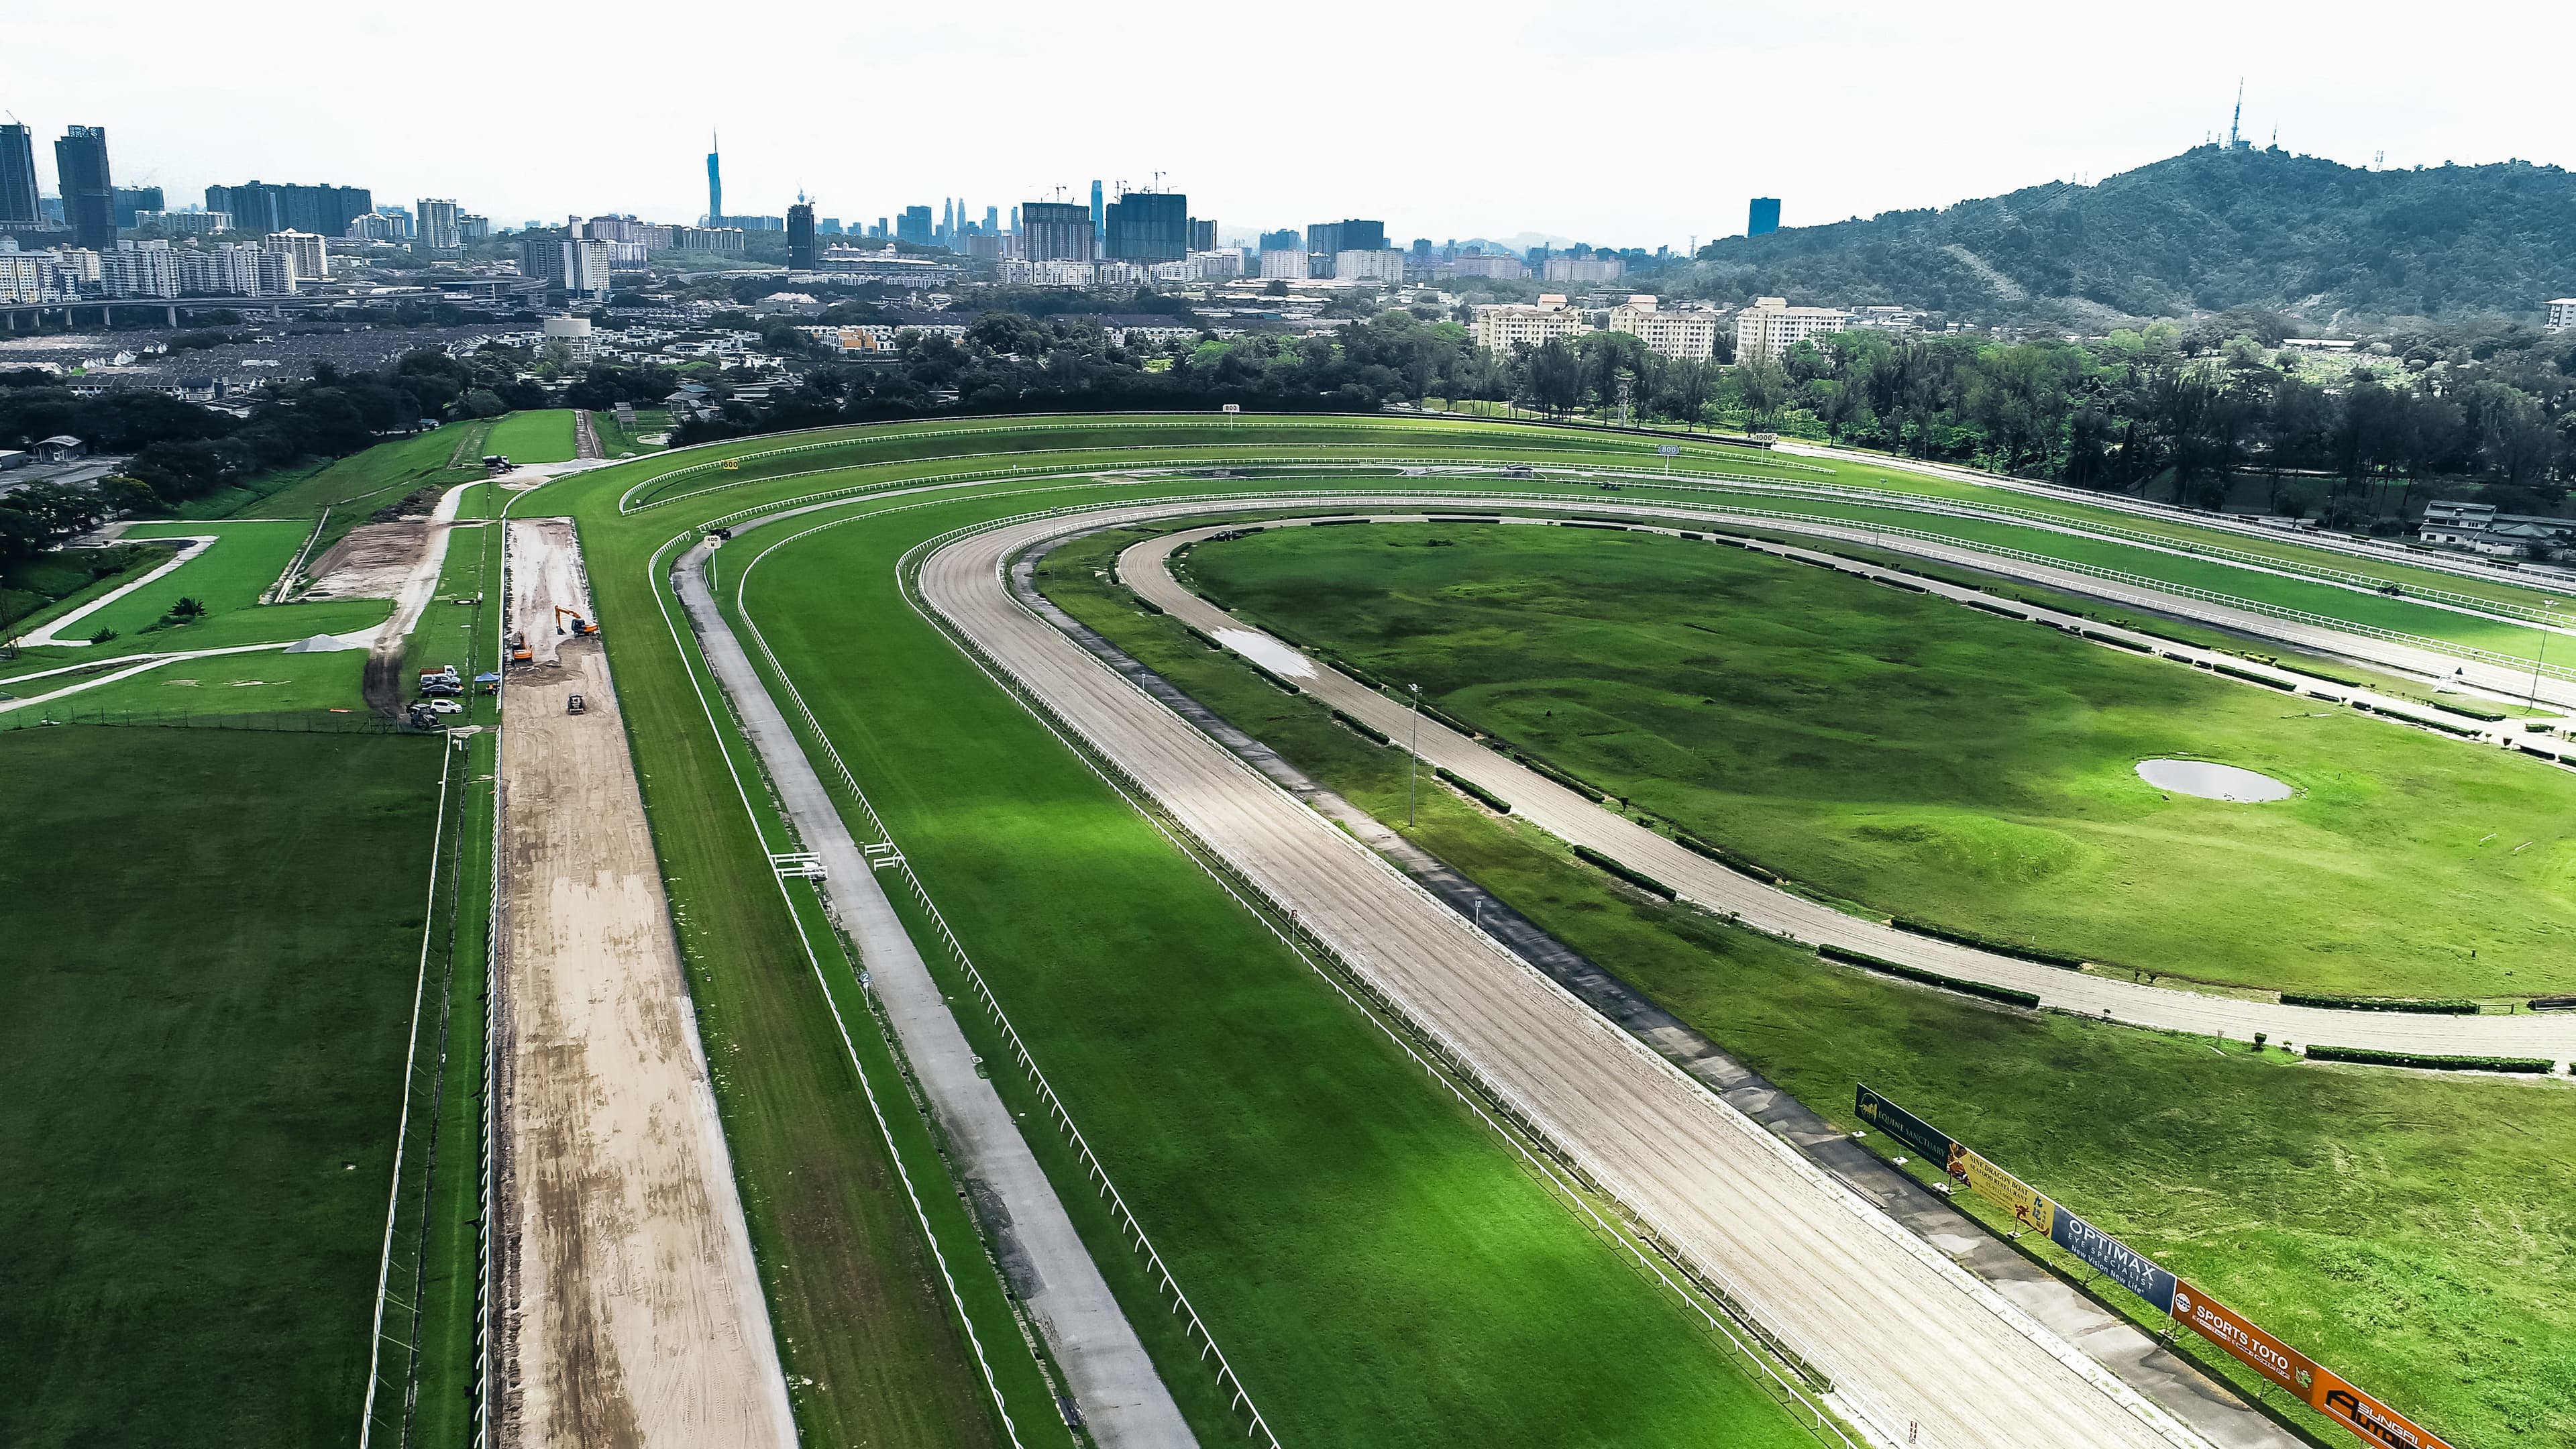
2203, 231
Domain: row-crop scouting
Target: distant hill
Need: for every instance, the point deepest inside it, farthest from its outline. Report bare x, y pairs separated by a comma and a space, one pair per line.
2207, 230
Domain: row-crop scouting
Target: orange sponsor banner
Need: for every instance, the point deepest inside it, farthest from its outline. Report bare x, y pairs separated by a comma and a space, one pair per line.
2368, 1417
2260, 1351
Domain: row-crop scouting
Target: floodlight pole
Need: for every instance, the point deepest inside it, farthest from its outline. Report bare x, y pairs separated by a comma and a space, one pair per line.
1413, 747
2543, 656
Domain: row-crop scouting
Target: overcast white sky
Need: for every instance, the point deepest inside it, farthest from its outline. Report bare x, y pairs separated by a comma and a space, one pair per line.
1624, 122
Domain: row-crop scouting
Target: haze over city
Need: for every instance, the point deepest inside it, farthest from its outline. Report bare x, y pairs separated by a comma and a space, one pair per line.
1622, 124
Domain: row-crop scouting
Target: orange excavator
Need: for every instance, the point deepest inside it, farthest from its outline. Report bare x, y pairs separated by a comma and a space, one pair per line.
520, 653
580, 625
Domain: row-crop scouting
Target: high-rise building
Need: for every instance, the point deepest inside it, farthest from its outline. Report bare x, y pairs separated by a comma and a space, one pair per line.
436, 229
914, 226
307, 253
1099, 221
576, 264
1285, 239
1764, 218
18, 204
1056, 231
800, 236
1202, 234
471, 228
1149, 226
715, 185
992, 221
1335, 237
184, 223
89, 195
131, 199
139, 269
260, 207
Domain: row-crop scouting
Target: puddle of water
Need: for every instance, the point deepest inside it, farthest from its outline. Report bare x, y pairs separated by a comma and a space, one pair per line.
2212, 782
1267, 652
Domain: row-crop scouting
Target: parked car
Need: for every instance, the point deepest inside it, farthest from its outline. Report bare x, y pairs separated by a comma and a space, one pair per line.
444, 706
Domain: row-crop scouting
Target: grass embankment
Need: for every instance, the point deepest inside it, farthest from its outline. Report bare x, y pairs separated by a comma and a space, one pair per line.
1932, 761
2409, 1231
871, 1345
213, 942
542, 436
618, 440
1379, 1267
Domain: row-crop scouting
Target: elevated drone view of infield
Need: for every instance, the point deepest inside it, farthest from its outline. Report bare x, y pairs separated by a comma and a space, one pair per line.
1054, 826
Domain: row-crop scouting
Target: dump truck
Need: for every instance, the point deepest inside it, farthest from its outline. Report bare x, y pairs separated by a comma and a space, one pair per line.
520, 653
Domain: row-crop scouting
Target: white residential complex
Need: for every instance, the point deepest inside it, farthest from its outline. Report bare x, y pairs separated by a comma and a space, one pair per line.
308, 254
1501, 326
1687, 333
185, 223
1770, 327
1368, 266
1282, 265
1594, 268
437, 229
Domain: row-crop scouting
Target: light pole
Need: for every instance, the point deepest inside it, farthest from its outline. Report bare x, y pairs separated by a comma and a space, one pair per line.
1413, 747
2543, 656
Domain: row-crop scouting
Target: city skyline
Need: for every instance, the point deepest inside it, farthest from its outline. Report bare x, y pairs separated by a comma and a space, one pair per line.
1915, 125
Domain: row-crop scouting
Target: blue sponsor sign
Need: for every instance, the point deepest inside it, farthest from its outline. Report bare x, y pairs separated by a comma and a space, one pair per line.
2126, 1266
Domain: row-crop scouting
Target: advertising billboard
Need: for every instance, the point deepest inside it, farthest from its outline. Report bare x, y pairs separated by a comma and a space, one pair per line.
2368, 1417
2035, 1213
1904, 1126
2124, 1265
2260, 1351
2317, 1387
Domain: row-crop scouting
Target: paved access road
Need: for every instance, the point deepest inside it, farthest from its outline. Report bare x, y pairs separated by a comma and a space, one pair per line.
1582, 821
1914, 1345
1123, 1400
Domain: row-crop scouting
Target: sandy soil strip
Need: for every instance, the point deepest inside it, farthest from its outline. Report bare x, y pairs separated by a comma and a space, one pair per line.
631, 1306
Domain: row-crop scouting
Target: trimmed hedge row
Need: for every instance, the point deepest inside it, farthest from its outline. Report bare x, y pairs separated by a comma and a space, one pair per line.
1573, 782
2464, 710
1148, 605
2250, 677
2318, 674
2032, 954
1208, 640
2116, 642
1471, 789
1362, 727
2003, 994
2432, 1006
2155, 633
2537, 1065
2015, 614
1274, 680
2463, 731
1637, 878
1734, 863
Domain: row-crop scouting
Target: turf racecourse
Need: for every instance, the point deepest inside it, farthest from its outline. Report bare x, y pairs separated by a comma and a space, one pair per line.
2356, 1212
213, 939
1930, 761
761, 1001
1374, 1261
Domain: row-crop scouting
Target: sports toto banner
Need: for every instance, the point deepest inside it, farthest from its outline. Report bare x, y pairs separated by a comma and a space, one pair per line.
2261, 1352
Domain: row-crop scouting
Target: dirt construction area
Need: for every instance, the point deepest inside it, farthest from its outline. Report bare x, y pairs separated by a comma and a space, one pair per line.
630, 1307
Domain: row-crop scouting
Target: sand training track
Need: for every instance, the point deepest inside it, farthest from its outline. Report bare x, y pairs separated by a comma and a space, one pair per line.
630, 1308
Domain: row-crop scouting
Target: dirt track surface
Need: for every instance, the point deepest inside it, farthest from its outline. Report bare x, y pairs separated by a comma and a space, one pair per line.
1914, 1345
545, 573
630, 1306
370, 563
